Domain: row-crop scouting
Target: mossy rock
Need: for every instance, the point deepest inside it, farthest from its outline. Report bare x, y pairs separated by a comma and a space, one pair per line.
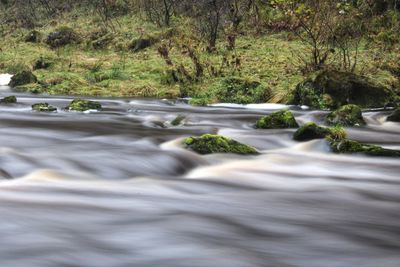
61, 37
346, 146
22, 78
178, 120
348, 115
9, 100
332, 89
209, 144
395, 116
84, 105
282, 119
311, 131
241, 91
43, 107
33, 37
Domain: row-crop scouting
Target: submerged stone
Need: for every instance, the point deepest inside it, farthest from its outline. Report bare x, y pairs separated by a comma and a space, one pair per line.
395, 116
83, 105
43, 107
209, 144
22, 78
178, 120
282, 119
9, 100
348, 115
346, 146
332, 89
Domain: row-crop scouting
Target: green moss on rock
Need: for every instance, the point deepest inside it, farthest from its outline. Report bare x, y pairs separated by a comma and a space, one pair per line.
9, 100
178, 120
310, 131
208, 144
346, 146
282, 119
395, 116
22, 78
43, 107
348, 115
332, 89
83, 105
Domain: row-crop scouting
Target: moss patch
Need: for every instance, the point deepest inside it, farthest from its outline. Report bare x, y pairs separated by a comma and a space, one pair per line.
178, 120
83, 105
209, 144
9, 100
348, 115
241, 91
278, 120
351, 147
22, 78
43, 107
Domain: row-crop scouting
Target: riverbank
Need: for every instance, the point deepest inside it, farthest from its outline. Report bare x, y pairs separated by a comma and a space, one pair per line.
115, 69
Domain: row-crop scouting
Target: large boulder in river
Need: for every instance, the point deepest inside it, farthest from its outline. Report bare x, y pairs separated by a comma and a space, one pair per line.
348, 115
395, 116
209, 144
282, 119
22, 78
332, 89
83, 105
61, 37
311, 131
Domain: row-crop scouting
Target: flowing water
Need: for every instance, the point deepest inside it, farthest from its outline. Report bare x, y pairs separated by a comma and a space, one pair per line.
115, 188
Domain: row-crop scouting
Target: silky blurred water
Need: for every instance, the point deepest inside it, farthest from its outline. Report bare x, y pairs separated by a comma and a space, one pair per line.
115, 188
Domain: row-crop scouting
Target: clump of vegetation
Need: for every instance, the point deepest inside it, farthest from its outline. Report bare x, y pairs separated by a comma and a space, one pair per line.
209, 144
346, 146
42, 63
83, 105
200, 101
22, 78
178, 120
241, 91
395, 116
348, 115
33, 37
9, 100
43, 107
282, 119
61, 37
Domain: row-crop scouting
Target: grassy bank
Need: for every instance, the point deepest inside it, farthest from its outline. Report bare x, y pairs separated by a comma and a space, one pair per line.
115, 70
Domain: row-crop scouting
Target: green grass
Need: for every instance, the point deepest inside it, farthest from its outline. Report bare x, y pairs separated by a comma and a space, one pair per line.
114, 71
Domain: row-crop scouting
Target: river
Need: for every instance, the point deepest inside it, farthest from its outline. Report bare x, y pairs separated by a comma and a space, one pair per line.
115, 188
